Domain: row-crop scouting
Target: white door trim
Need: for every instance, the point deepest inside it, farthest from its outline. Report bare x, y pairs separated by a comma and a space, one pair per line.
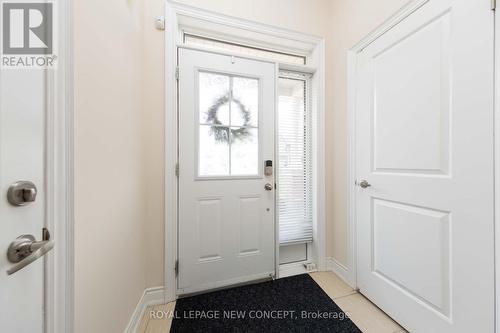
497, 173
283, 39
59, 270
351, 86
171, 154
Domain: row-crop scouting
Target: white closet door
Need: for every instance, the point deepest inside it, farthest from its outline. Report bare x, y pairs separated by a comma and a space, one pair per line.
425, 145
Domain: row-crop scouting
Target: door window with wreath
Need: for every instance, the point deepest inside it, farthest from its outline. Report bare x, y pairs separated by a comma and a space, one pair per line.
228, 125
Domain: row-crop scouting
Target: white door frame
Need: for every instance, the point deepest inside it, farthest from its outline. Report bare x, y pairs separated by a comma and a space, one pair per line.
267, 37
59, 272
412, 6
497, 174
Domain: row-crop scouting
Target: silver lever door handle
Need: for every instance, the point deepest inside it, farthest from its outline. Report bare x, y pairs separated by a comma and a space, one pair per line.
25, 249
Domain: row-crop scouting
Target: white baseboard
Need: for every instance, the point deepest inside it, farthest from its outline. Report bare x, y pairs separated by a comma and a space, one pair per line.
150, 296
341, 271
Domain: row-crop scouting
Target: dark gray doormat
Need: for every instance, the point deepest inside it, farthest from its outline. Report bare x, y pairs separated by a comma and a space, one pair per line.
293, 304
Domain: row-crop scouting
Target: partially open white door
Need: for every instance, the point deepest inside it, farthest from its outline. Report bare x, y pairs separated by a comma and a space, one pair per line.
425, 145
226, 199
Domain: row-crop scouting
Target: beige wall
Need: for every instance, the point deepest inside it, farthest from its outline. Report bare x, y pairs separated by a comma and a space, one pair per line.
110, 265
351, 20
153, 116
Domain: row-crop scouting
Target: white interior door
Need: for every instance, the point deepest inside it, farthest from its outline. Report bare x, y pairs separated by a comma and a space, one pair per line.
22, 141
425, 144
226, 200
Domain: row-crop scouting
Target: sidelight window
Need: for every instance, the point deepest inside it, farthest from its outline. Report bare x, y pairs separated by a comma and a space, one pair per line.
295, 204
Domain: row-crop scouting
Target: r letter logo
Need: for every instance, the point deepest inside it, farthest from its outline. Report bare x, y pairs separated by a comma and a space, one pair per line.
27, 29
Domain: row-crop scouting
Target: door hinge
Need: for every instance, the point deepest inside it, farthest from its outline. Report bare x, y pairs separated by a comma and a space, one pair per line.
177, 73
176, 267
177, 169
493, 4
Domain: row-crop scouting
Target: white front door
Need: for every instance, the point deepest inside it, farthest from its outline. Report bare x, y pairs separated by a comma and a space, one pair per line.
22, 142
425, 145
226, 199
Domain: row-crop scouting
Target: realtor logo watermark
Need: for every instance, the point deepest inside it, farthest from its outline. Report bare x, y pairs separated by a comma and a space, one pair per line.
28, 34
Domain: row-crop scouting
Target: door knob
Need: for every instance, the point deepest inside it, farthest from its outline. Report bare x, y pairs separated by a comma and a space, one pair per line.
21, 193
364, 184
25, 249
268, 187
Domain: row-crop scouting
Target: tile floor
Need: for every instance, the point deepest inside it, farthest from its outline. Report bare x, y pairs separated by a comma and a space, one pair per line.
368, 317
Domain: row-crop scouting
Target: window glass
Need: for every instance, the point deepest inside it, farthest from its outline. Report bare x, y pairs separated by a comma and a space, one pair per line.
244, 49
214, 93
214, 152
245, 152
228, 128
294, 161
245, 102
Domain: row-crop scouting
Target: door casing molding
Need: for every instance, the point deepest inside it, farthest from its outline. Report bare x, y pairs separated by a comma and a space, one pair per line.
284, 40
59, 268
496, 132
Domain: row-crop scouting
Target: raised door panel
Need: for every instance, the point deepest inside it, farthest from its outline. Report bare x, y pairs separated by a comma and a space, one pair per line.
411, 101
250, 221
411, 250
209, 229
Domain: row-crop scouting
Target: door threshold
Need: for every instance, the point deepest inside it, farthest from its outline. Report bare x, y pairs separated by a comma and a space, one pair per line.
191, 291
296, 268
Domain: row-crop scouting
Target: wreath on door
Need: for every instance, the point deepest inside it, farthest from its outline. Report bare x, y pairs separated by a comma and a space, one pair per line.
221, 133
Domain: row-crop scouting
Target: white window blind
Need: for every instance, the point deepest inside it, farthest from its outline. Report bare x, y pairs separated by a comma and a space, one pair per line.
295, 211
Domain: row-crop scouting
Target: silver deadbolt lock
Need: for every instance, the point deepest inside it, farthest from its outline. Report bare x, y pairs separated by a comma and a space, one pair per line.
21, 193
